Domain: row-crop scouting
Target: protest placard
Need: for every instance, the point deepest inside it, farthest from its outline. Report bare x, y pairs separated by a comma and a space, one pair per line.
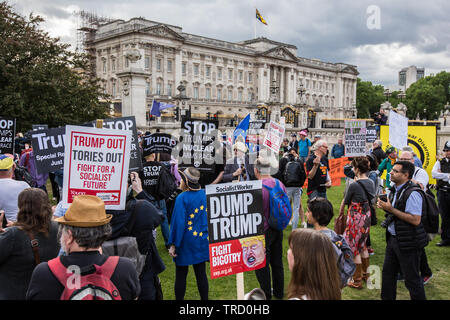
274, 137
355, 138
126, 123
398, 130
96, 163
158, 143
255, 136
197, 144
7, 135
235, 227
48, 149
36, 127
371, 134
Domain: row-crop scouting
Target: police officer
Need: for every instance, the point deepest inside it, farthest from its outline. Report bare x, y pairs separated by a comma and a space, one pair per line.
441, 172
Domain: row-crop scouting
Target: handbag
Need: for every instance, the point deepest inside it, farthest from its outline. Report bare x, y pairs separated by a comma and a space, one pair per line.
340, 223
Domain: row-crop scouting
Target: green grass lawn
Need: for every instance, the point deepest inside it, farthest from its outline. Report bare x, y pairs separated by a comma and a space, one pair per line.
225, 288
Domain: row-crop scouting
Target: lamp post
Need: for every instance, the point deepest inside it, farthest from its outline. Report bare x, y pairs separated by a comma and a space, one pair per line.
273, 100
401, 95
300, 92
182, 98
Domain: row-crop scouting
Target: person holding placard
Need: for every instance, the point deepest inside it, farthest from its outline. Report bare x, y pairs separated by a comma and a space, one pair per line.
273, 237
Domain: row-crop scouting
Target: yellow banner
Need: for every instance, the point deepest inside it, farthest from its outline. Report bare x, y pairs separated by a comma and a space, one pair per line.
423, 141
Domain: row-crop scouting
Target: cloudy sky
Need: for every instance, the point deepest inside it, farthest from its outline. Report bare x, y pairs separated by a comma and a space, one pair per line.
378, 36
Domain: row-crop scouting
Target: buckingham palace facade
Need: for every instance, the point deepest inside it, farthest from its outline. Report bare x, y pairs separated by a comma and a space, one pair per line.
223, 80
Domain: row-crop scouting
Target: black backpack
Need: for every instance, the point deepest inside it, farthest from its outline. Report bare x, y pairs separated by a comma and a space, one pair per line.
430, 210
166, 183
294, 174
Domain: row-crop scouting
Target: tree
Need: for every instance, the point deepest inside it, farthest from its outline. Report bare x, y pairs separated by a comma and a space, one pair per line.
427, 97
41, 80
368, 98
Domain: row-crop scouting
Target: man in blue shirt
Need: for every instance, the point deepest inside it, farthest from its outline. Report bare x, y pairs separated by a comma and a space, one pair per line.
338, 149
304, 144
405, 235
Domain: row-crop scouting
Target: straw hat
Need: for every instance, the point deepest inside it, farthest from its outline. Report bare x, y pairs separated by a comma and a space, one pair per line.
86, 211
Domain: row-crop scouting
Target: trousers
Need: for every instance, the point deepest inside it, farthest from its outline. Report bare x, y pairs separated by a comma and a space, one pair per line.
406, 261
274, 259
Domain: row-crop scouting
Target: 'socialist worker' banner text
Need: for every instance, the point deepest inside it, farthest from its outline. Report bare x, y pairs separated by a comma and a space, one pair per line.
96, 163
235, 228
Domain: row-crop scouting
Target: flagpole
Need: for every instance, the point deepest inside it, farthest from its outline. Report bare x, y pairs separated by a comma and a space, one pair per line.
254, 19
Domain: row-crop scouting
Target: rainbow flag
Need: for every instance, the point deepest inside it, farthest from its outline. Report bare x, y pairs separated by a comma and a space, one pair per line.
260, 18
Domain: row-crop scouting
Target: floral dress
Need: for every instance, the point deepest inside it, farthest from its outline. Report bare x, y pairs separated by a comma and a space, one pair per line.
358, 217
358, 226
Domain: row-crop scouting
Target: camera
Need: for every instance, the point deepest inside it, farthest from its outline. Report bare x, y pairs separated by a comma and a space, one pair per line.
388, 221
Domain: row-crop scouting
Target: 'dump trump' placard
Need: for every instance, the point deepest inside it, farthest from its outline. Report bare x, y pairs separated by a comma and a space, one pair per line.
235, 227
96, 163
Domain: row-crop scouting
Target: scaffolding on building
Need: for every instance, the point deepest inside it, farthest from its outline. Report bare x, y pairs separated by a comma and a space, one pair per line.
87, 26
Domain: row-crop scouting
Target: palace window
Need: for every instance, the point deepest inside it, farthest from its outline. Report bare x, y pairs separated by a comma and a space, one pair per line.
158, 88
195, 92
196, 69
219, 94
158, 64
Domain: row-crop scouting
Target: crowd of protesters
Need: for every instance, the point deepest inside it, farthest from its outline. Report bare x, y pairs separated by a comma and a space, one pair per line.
39, 243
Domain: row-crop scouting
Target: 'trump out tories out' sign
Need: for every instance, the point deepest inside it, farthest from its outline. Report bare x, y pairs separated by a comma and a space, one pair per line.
235, 227
96, 163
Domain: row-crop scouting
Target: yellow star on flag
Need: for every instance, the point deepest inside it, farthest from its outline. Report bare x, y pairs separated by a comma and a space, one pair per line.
196, 210
195, 233
200, 234
201, 207
192, 216
190, 228
190, 222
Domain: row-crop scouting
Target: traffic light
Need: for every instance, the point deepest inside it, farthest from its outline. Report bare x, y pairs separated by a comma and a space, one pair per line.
208, 115
177, 113
216, 116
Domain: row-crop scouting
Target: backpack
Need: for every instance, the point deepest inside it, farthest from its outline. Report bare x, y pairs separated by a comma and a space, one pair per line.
125, 247
430, 211
22, 174
294, 174
280, 207
94, 282
344, 256
166, 184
